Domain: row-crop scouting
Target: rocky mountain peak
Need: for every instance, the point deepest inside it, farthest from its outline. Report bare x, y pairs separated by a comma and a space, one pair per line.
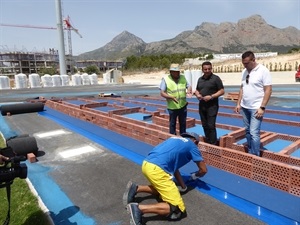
127, 38
252, 33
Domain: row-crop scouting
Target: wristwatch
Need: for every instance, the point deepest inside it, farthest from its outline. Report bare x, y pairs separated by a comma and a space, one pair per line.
263, 108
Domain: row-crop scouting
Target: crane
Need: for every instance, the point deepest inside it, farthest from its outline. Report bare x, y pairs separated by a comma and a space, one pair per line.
67, 26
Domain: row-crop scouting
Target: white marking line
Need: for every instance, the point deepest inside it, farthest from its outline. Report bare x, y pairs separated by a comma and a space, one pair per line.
77, 151
50, 133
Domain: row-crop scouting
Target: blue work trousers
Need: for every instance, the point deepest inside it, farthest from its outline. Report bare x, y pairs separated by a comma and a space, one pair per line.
181, 114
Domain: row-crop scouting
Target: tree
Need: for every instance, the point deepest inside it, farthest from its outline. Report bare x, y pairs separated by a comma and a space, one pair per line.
294, 50
209, 56
161, 61
48, 70
92, 69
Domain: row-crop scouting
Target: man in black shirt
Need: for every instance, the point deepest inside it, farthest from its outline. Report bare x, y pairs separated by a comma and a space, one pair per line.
209, 88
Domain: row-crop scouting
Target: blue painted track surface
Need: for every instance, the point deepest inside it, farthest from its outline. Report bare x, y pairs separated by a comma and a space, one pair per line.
243, 190
60, 201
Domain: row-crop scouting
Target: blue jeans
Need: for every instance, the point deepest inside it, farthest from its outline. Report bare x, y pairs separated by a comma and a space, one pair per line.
252, 126
181, 114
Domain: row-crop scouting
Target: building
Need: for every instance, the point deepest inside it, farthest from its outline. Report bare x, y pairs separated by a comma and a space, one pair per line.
12, 63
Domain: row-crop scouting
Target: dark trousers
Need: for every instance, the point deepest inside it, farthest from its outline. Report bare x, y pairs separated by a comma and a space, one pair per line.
208, 114
181, 114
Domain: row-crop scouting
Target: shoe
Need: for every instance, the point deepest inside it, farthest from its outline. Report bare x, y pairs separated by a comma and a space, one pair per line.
135, 213
129, 193
177, 216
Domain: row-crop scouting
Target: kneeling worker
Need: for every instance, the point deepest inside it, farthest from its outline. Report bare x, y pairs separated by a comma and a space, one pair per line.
159, 167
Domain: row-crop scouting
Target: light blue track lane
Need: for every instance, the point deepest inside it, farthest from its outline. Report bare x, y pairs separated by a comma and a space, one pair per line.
57, 200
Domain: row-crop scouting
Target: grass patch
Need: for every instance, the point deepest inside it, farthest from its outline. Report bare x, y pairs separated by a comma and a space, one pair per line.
24, 208
2, 141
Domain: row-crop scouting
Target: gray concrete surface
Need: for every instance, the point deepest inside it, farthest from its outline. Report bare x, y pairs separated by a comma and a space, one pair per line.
95, 182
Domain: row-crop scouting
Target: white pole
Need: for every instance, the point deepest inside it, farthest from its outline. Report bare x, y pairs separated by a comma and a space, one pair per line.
61, 49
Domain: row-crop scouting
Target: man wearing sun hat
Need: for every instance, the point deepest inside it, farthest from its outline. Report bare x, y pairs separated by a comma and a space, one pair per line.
159, 167
175, 88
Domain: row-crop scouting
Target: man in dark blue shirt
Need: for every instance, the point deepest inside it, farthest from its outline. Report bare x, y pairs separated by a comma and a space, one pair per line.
209, 88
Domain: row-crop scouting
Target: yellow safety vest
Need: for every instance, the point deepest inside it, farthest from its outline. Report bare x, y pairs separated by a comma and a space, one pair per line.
177, 90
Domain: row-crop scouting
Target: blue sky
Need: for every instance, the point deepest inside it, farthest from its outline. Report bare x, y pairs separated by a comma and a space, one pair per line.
99, 21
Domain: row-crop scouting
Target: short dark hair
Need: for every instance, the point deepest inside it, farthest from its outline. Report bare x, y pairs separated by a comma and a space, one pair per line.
248, 54
206, 63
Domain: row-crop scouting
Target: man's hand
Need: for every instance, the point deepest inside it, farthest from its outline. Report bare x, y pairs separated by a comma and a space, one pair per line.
237, 109
189, 94
259, 113
3, 159
175, 100
199, 97
207, 98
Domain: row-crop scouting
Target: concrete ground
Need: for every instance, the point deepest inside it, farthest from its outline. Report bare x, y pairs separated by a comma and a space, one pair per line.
95, 182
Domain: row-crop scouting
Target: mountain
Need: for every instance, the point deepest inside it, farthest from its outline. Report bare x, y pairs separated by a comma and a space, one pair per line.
123, 45
252, 33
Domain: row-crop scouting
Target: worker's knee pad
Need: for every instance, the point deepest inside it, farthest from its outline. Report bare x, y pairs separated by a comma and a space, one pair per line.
175, 213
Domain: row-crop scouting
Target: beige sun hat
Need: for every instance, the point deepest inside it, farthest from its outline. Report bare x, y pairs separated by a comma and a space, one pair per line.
174, 67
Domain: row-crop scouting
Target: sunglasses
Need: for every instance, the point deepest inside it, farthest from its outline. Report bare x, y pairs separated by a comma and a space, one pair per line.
247, 79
